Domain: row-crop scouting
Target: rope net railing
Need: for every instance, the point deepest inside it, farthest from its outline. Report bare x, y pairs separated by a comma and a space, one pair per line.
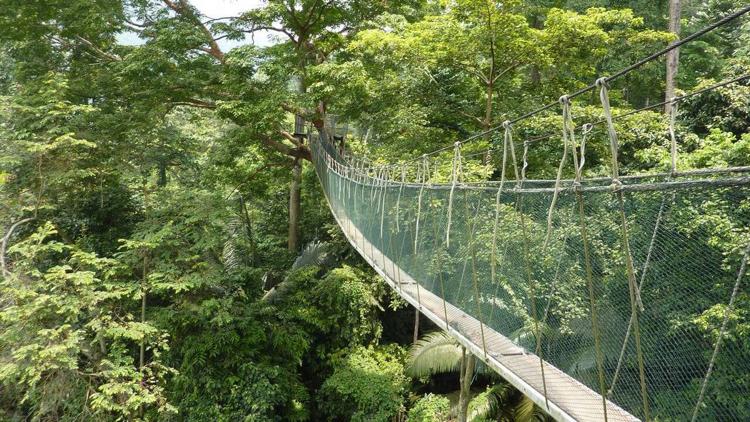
607, 298
610, 298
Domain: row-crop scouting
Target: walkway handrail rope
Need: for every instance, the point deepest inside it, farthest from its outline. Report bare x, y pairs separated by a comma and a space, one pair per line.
674, 100
632, 288
369, 165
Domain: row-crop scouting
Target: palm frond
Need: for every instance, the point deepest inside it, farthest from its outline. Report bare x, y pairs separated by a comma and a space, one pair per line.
434, 353
315, 253
490, 403
231, 256
527, 411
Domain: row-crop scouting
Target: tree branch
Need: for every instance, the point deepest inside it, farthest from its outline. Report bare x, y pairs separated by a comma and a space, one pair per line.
213, 48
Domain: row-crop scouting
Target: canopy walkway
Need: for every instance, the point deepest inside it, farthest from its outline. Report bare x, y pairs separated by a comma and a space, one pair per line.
587, 294
547, 305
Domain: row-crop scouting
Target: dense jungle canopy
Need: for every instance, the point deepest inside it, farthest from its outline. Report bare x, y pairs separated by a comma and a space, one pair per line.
168, 254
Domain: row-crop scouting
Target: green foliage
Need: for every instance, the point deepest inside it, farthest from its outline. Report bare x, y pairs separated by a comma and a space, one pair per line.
163, 169
434, 353
366, 385
65, 334
430, 408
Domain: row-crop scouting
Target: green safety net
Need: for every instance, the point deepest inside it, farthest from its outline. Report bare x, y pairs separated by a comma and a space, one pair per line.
619, 292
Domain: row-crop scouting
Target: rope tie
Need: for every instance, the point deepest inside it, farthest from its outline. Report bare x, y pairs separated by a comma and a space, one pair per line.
455, 176
512, 147
425, 177
672, 137
601, 83
567, 136
586, 130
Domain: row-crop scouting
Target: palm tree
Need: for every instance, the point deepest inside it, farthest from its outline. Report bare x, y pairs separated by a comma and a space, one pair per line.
315, 253
438, 353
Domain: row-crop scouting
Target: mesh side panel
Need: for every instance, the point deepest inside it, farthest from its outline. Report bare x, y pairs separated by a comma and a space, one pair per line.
520, 289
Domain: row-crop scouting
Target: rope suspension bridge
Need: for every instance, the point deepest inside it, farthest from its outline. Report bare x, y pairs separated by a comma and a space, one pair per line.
569, 288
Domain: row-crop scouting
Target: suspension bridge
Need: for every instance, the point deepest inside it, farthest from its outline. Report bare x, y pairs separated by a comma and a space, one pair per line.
575, 290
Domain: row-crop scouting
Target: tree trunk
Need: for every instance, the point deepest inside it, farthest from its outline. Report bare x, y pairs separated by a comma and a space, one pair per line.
487, 124
294, 205
673, 57
467, 375
249, 230
142, 353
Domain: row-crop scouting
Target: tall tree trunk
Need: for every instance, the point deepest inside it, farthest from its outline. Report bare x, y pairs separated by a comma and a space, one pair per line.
467, 375
294, 205
142, 353
487, 123
249, 230
673, 57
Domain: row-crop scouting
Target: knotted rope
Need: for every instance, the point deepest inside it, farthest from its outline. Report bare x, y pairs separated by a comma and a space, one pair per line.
635, 299
507, 139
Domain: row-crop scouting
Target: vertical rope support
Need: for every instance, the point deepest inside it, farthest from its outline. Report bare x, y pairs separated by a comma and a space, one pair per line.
420, 175
423, 182
569, 139
454, 180
632, 288
722, 331
474, 276
649, 253
382, 205
493, 254
567, 132
439, 271
398, 199
672, 136
527, 267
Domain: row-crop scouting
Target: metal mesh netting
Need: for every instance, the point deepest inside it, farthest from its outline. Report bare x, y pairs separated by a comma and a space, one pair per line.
488, 265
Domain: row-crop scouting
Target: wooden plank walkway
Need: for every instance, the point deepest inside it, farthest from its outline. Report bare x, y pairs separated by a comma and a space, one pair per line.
567, 399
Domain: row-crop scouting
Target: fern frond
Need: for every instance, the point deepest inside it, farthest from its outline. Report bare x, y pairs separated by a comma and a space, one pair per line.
435, 353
